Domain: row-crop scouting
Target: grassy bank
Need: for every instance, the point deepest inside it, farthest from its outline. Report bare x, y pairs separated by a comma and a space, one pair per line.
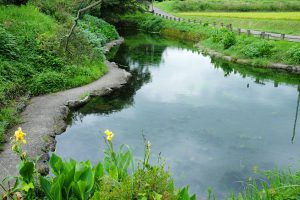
259, 51
279, 20
229, 5
33, 60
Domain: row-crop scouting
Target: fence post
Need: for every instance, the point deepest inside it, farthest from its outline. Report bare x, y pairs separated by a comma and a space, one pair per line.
268, 36
166, 17
262, 34
248, 32
222, 24
230, 27
215, 23
239, 31
189, 20
282, 36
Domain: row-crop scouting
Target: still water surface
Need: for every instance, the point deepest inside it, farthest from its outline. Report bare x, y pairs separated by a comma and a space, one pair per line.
213, 122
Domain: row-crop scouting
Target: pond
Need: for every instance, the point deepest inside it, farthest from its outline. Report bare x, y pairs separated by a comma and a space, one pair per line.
212, 121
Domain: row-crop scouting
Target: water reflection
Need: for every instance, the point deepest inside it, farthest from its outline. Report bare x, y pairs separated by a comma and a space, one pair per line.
213, 121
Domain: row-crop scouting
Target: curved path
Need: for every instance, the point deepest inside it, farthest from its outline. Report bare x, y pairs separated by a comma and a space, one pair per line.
44, 118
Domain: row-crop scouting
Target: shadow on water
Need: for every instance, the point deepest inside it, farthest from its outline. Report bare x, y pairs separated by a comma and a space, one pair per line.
142, 55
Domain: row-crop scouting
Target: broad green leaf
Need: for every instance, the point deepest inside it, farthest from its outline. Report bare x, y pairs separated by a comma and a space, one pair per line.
46, 186
26, 171
98, 171
27, 186
56, 164
56, 189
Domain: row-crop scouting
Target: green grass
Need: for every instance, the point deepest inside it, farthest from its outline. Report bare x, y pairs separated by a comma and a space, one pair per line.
229, 5
277, 21
273, 185
288, 23
32, 58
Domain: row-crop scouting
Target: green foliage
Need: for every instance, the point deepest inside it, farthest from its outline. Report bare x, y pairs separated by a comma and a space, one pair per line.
72, 180
152, 24
47, 82
275, 185
294, 54
258, 49
8, 45
97, 31
118, 164
229, 39
32, 58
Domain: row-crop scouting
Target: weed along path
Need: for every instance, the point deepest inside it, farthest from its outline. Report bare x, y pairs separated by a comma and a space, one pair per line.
44, 117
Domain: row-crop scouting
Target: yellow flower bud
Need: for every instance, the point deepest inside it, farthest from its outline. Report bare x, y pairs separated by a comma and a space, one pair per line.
14, 148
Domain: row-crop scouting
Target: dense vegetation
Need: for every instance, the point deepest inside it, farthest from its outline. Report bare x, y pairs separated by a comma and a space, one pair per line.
230, 5
33, 60
259, 51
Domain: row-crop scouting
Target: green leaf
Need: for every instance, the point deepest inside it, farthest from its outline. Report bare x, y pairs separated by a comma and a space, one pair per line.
184, 194
26, 171
79, 189
46, 186
27, 186
113, 172
98, 171
56, 164
56, 189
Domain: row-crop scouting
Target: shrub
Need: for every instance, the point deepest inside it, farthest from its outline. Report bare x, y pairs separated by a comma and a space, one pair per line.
8, 44
47, 82
224, 36
152, 24
294, 55
229, 39
258, 49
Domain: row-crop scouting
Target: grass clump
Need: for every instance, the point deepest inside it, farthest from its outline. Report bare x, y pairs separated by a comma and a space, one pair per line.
274, 185
32, 56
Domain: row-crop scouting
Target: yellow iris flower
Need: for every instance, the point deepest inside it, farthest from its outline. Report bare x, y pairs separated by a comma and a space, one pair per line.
109, 135
20, 135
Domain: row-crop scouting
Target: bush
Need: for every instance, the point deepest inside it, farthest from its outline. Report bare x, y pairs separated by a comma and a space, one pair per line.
224, 36
229, 40
294, 55
47, 82
8, 44
97, 31
258, 49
